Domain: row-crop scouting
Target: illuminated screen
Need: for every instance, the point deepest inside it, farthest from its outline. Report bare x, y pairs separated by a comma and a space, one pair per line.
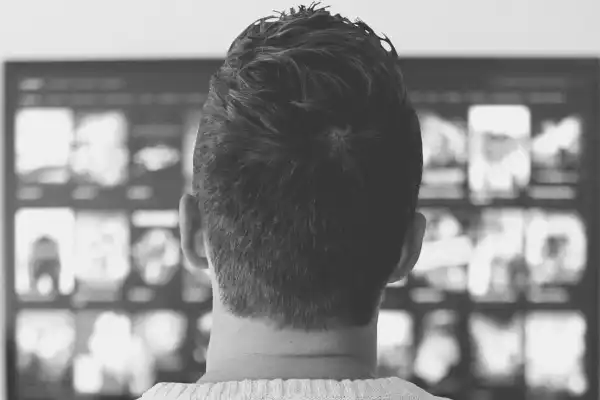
445, 153
447, 249
497, 347
44, 352
497, 258
438, 355
501, 303
561, 371
395, 343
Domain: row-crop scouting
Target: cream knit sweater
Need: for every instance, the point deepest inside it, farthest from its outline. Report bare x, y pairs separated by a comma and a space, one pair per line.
373, 389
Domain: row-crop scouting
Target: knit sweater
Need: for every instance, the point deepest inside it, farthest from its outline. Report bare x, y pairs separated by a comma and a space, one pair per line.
296, 389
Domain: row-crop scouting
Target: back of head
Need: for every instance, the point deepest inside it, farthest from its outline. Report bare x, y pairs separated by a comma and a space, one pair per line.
307, 168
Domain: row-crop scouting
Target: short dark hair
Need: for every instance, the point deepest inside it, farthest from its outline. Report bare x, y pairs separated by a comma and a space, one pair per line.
307, 166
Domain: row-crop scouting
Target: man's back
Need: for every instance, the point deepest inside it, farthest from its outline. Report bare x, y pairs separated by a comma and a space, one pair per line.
374, 389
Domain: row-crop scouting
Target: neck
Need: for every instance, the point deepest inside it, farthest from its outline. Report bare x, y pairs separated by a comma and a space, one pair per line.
244, 349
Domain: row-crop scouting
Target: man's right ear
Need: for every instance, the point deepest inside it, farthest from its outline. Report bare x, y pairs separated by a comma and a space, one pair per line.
191, 232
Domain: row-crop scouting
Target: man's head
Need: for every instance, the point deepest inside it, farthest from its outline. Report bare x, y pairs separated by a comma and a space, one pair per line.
307, 168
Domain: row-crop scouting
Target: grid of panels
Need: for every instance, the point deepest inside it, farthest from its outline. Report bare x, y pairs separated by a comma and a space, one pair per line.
99, 153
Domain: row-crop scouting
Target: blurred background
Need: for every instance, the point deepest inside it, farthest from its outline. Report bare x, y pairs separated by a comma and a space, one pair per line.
100, 104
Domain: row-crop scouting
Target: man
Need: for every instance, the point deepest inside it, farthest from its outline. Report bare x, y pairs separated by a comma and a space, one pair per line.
307, 169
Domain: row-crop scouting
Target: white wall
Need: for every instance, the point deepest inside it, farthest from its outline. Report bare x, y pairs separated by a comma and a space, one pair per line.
140, 28
76, 29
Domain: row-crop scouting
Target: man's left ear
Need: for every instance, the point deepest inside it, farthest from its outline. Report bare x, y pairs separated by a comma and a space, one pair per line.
411, 248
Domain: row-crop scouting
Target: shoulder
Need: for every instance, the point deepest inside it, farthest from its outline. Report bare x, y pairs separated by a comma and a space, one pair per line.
408, 390
168, 391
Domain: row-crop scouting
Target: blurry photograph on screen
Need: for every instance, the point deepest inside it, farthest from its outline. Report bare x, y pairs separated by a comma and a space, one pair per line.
155, 253
189, 141
554, 355
100, 156
201, 338
556, 149
44, 250
555, 250
497, 352
157, 341
104, 351
497, 264
102, 254
43, 138
395, 340
446, 251
156, 143
499, 151
45, 344
196, 283
438, 354
444, 154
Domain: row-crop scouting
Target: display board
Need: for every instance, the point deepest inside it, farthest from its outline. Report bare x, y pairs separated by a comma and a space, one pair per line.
502, 303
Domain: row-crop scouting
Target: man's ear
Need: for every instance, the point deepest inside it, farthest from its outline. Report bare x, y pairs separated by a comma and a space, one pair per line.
191, 232
411, 249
